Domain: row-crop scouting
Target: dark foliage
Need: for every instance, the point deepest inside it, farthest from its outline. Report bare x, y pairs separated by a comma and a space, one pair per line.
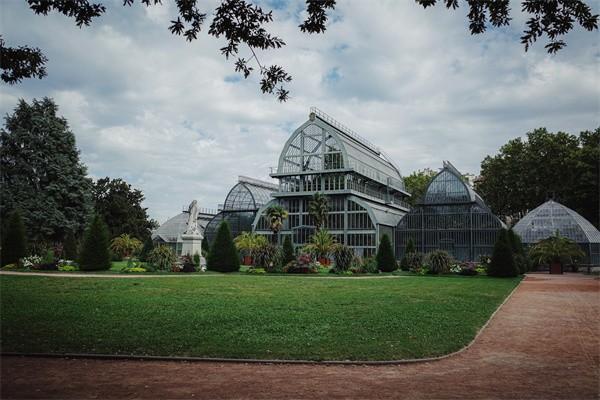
302, 265
410, 248
188, 264
95, 254
205, 247
14, 245
70, 246
343, 256
386, 262
317, 15
120, 206
51, 266
503, 262
148, 247
288, 250
553, 18
21, 62
41, 172
521, 258
223, 256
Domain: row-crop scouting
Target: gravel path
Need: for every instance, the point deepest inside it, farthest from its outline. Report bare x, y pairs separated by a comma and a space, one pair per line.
542, 344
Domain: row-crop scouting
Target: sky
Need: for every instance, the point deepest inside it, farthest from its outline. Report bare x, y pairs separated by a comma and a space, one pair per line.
175, 120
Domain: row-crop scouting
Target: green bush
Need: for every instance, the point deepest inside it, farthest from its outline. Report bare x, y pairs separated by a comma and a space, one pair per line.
521, 259
414, 261
10, 267
288, 250
14, 246
256, 271
67, 268
386, 262
133, 270
95, 254
503, 261
205, 247
70, 246
162, 258
148, 247
223, 256
438, 261
343, 256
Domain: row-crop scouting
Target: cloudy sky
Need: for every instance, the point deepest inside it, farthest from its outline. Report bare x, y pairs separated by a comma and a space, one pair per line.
174, 119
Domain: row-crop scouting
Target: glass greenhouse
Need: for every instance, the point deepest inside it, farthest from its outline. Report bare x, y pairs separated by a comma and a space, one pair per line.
450, 217
170, 232
241, 205
365, 189
550, 217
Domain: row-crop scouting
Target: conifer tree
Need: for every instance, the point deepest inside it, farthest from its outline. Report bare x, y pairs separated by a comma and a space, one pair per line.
503, 261
14, 245
386, 262
148, 247
95, 254
288, 250
223, 256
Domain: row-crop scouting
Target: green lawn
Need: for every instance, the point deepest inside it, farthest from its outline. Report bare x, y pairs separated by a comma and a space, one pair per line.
286, 317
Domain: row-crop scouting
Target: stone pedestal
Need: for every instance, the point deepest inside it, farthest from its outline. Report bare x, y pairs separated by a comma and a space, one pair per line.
192, 244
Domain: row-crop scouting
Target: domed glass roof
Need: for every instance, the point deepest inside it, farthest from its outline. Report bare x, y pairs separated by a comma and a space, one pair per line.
174, 227
550, 217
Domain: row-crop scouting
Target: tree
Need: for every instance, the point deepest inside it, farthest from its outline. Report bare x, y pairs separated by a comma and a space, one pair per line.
386, 262
556, 249
148, 247
70, 246
503, 261
125, 245
409, 249
288, 250
416, 184
276, 214
525, 173
242, 23
95, 254
321, 244
41, 173
318, 208
120, 206
249, 242
14, 246
223, 256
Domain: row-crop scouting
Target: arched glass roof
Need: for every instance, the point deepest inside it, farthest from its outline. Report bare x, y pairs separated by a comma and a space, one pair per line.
550, 217
248, 194
171, 230
448, 187
323, 144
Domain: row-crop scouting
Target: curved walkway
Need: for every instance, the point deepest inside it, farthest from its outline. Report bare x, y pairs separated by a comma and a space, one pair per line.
542, 344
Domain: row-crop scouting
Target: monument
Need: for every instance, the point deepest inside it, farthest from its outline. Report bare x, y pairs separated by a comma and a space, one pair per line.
192, 237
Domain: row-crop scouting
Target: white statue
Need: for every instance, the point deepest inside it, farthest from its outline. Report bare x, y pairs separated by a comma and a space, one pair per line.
192, 224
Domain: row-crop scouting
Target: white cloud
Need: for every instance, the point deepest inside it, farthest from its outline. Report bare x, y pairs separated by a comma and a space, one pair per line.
167, 116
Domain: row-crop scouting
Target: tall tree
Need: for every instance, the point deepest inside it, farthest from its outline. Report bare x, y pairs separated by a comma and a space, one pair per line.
318, 208
223, 256
120, 206
416, 183
41, 173
242, 24
275, 214
525, 173
95, 254
14, 243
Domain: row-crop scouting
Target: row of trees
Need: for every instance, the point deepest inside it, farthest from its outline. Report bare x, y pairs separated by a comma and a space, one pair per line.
44, 179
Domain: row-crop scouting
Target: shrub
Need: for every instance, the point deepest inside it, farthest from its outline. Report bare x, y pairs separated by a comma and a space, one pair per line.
256, 271
414, 261
264, 255
162, 258
521, 259
385, 255
205, 247
321, 244
10, 267
67, 268
288, 250
343, 256
468, 268
14, 246
133, 269
94, 252
52, 266
409, 249
503, 261
302, 265
148, 247
30, 262
125, 246
196, 259
438, 261
556, 249
70, 246
187, 264
223, 256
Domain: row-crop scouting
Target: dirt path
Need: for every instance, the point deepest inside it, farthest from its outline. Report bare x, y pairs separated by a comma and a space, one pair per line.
543, 344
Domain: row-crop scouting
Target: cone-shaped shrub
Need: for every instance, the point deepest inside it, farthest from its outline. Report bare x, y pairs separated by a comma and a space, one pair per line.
288, 250
70, 246
223, 256
503, 261
15, 243
148, 247
410, 248
521, 259
95, 254
386, 262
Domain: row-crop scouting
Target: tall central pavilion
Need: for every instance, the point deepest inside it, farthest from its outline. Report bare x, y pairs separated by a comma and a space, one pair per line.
365, 189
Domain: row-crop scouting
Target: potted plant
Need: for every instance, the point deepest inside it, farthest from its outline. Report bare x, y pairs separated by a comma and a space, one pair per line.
248, 243
556, 251
321, 244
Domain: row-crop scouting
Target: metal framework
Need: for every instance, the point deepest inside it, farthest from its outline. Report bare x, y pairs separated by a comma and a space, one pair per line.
365, 189
450, 217
170, 232
241, 205
550, 217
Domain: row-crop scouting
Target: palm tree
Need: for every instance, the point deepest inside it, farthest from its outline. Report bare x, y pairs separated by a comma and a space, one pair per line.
125, 245
276, 214
321, 245
556, 251
248, 243
318, 207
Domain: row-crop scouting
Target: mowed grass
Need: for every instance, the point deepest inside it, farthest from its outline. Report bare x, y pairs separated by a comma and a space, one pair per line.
266, 317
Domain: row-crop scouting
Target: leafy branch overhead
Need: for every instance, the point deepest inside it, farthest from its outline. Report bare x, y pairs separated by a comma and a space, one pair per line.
242, 24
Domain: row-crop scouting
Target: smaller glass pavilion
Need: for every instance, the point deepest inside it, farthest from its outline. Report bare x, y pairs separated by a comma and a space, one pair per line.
451, 216
241, 205
545, 220
170, 232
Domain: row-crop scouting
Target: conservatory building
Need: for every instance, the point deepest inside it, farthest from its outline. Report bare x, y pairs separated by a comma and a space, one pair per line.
365, 189
451, 216
551, 217
169, 233
241, 205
